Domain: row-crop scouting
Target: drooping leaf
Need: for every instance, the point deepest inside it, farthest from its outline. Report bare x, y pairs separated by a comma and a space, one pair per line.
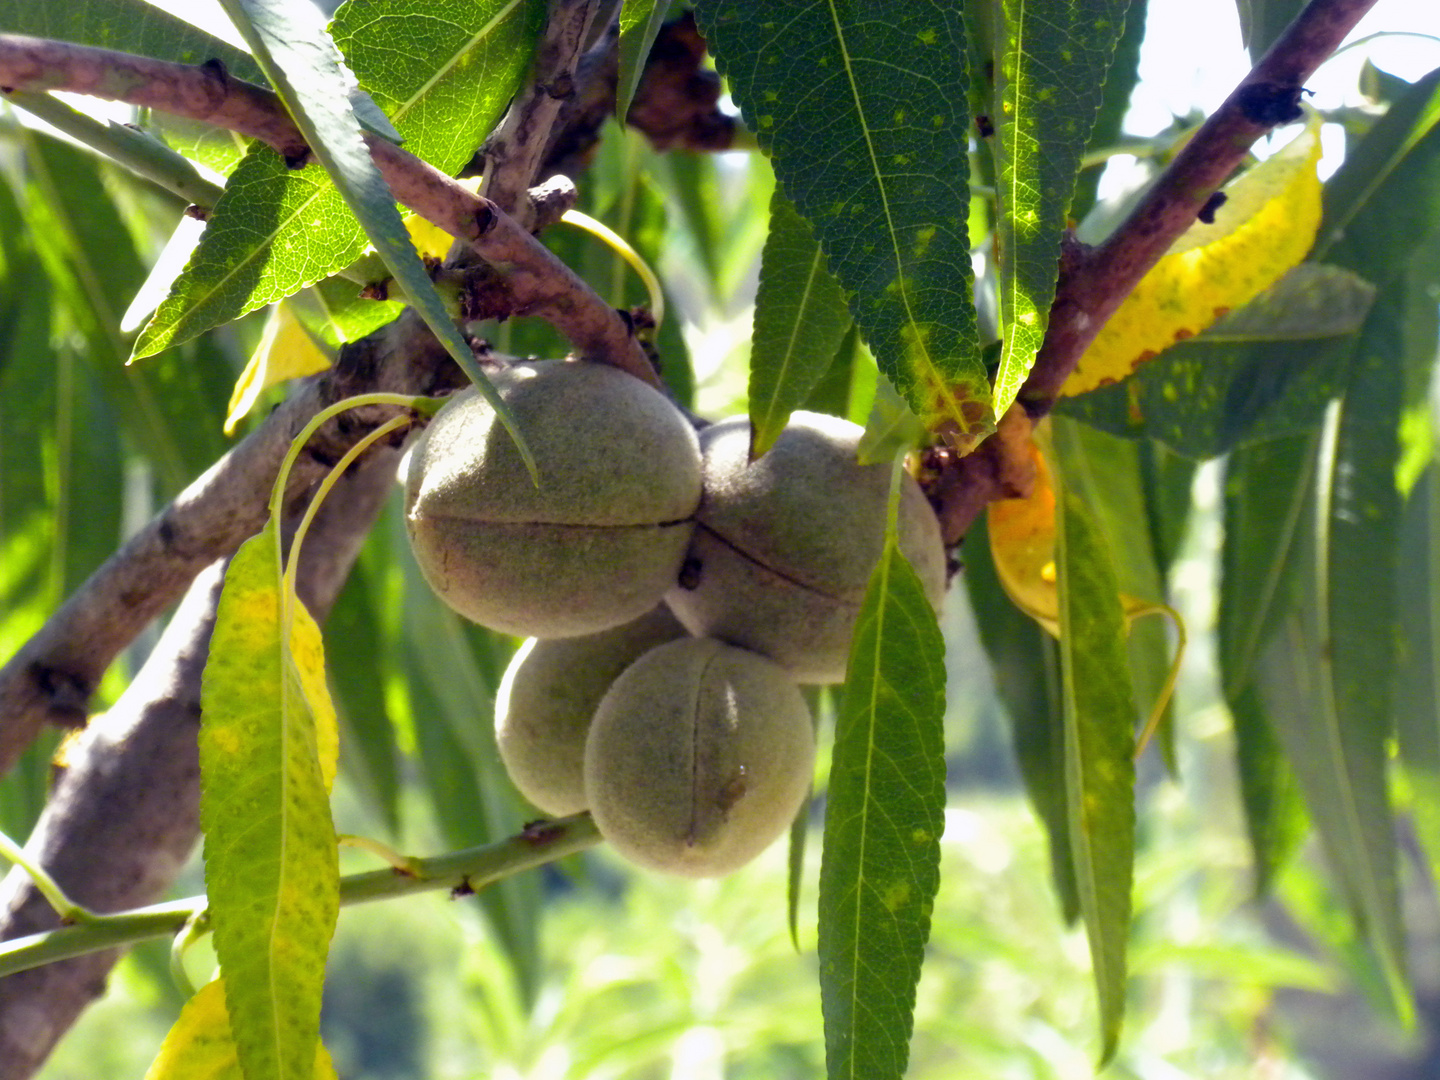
1325, 672
443, 78
451, 671
891, 427
270, 858
285, 352
1265, 226
640, 22
295, 52
1384, 201
800, 319
1266, 491
1261, 372
1025, 662
1099, 715
1120, 83
1417, 687
1261, 22
1046, 111
357, 661
884, 180
200, 1045
884, 814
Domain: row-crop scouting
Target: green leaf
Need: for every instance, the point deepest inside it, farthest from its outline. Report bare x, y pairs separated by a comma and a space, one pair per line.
1099, 744
800, 320
270, 858
1417, 687
1266, 492
1120, 83
301, 61
884, 814
1262, 21
1384, 201
1325, 673
1025, 663
891, 427
640, 22
334, 311
273, 232
451, 670
1052, 65
443, 75
357, 668
884, 180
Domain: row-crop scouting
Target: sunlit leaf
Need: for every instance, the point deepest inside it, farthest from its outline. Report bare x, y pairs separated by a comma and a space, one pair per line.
201, 1047
301, 61
285, 352
1041, 129
270, 860
884, 180
1099, 751
1265, 370
800, 318
273, 232
1265, 226
443, 75
883, 819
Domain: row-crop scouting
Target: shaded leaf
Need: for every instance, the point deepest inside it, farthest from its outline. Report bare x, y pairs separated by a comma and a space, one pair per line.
891, 427
883, 818
270, 859
800, 320
1384, 201
884, 180
640, 22
1046, 112
1265, 226
1417, 687
200, 1045
1325, 673
442, 75
1120, 83
1099, 746
1266, 491
1025, 662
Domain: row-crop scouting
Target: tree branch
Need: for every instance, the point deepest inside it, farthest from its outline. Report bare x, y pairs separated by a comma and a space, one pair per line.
541, 284
54, 674
1098, 280
514, 151
1093, 282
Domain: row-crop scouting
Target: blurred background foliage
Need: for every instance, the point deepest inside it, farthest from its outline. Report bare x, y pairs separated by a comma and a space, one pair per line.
590, 969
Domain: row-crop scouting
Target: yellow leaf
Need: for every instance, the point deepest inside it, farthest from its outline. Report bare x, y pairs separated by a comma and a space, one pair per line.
285, 351
1022, 545
431, 241
200, 1046
1266, 225
307, 655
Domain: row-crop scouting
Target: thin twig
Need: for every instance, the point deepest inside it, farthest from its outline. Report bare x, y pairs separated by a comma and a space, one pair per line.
465, 872
543, 285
